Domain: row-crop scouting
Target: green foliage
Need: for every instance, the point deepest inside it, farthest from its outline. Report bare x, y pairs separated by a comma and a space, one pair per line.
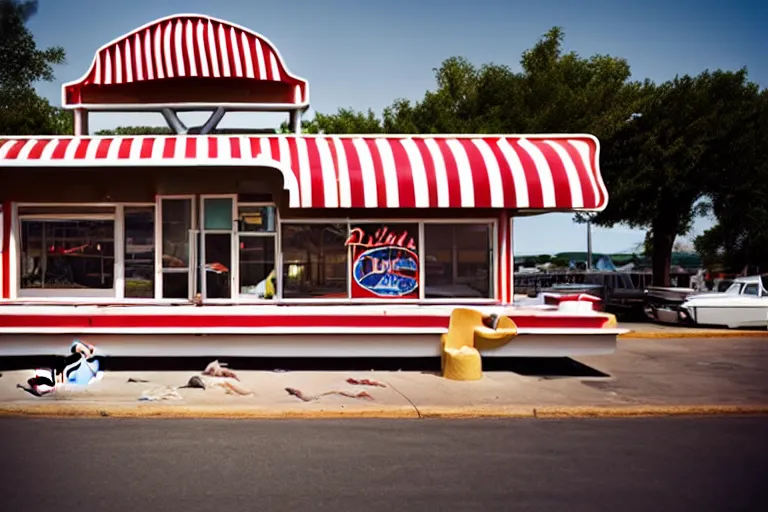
663, 163
22, 64
137, 130
738, 194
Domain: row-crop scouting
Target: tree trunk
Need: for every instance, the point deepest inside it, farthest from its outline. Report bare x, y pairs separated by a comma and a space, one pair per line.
661, 256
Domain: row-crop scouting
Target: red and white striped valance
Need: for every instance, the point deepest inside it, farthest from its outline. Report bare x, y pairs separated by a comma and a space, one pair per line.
186, 46
526, 172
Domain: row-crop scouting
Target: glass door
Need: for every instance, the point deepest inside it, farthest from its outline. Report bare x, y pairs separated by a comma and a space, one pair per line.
175, 261
217, 221
256, 273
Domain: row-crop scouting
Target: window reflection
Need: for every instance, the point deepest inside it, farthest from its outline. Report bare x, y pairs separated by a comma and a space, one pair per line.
140, 252
457, 260
314, 260
257, 267
218, 261
177, 221
67, 254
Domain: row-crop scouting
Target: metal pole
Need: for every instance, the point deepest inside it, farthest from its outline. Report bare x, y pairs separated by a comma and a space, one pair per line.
589, 244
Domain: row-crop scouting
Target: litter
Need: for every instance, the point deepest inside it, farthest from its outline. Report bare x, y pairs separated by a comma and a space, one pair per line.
131, 379
216, 369
309, 398
195, 382
81, 367
365, 382
231, 388
158, 394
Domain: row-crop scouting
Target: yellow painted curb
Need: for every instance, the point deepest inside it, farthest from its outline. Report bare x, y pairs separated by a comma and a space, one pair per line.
73, 410
202, 412
650, 335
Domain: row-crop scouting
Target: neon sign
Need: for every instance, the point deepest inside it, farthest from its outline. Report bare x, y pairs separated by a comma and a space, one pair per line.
384, 263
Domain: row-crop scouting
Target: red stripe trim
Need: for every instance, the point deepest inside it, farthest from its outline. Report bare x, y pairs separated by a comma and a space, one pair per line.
152, 63
480, 177
277, 321
5, 245
104, 153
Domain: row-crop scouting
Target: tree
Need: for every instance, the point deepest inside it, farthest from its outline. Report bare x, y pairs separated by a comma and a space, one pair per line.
344, 121
22, 63
738, 195
661, 163
137, 130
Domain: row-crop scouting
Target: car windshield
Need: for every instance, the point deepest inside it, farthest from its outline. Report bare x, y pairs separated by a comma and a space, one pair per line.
764, 279
735, 288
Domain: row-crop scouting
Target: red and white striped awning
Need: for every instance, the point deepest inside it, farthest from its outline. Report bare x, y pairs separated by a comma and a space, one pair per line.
524, 172
186, 46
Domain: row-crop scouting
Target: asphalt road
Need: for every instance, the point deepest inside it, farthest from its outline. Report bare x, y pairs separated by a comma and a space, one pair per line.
215, 465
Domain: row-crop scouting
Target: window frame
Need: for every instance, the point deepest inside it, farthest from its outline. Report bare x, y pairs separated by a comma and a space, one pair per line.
197, 254
64, 294
121, 290
275, 235
492, 255
193, 234
309, 300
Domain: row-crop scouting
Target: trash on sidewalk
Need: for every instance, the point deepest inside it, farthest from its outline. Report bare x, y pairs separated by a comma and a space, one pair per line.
194, 382
309, 398
231, 388
216, 369
131, 379
365, 382
207, 382
81, 367
165, 393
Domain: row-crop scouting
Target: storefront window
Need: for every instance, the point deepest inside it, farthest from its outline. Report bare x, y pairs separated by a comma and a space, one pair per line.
177, 221
257, 267
385, 260
139, 252
218, 213
71, 254
256, 219
457, 261
314, 261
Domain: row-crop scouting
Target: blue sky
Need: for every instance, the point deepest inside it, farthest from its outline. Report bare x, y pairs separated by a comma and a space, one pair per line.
363, 53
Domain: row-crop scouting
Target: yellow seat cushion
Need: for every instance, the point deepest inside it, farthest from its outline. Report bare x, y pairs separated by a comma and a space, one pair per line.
462, 364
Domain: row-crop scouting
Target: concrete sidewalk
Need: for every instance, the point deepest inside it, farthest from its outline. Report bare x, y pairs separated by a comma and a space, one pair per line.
644, 377
661, 331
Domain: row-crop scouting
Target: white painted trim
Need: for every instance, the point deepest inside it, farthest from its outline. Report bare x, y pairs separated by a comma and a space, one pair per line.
234, 260
190, 107
511, 265
67, 293
173, 17
422, 253
192, 253
118, 272
14, 244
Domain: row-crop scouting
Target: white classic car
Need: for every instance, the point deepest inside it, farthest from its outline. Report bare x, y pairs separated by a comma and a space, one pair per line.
743, 304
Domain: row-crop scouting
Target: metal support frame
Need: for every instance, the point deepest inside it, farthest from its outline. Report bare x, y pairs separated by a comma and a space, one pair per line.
178, 126
294, 120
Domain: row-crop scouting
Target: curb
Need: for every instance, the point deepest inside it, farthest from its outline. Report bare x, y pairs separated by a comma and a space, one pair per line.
203, 412
640, 335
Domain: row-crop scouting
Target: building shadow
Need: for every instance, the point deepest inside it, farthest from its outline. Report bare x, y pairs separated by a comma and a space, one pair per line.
548, 368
